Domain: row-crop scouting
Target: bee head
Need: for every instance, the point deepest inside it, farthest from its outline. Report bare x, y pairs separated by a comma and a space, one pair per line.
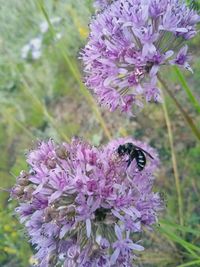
121, 150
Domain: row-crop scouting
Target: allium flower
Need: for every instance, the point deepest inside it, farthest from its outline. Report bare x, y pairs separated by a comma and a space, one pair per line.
128, 43
81, 205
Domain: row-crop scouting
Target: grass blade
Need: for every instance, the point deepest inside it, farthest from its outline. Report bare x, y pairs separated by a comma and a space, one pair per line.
185, 115
174, 163
192, 249
191, 263
184, 229
186, 87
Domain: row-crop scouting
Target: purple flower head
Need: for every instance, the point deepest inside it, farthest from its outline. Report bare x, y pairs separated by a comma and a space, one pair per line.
129, 41
81, 204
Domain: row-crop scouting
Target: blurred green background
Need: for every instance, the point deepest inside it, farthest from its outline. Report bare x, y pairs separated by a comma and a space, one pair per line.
42, 96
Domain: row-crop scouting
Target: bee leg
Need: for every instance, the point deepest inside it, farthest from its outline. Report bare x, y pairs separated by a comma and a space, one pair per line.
129, 162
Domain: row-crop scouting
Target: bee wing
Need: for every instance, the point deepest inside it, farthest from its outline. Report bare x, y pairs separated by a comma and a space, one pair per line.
139, 148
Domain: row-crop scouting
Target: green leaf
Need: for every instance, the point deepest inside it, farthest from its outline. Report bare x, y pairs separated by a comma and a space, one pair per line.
184, 229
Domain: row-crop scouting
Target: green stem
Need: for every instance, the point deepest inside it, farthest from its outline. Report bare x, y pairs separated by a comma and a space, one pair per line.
75, 72
174, 163
187, 118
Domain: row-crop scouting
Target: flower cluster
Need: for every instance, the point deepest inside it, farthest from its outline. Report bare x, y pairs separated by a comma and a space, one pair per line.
129, 41
33, 49
81, 205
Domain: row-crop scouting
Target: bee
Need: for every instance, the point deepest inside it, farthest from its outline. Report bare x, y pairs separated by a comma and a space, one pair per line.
134, 152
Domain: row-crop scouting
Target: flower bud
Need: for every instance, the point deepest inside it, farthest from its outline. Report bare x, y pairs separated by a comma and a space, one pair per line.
62, 152
49, 214
51, 163
73, 252
18, 191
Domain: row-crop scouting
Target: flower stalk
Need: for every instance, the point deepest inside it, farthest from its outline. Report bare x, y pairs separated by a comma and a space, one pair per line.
174, 163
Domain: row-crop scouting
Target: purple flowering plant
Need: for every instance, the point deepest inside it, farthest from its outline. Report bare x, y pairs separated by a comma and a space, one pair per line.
85, 206
128, 43
81, 205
